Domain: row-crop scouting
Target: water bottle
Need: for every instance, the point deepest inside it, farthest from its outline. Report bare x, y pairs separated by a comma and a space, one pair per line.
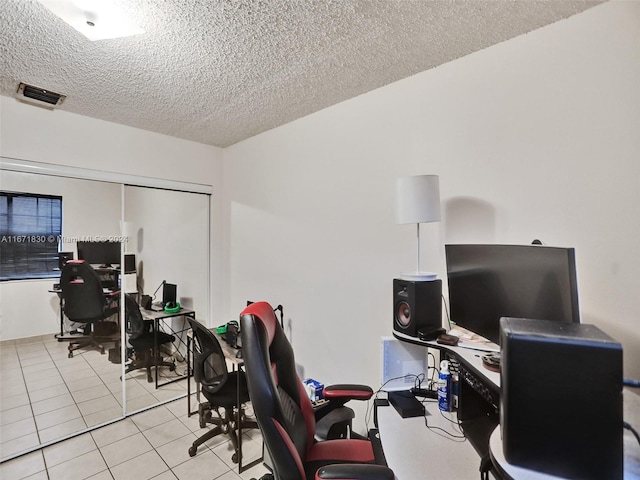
444, 387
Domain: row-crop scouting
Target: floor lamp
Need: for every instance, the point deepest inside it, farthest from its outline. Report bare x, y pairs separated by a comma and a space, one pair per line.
418, 201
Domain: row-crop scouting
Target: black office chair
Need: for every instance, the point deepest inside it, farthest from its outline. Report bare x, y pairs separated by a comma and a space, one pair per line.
221, 388
142, 338
83, 301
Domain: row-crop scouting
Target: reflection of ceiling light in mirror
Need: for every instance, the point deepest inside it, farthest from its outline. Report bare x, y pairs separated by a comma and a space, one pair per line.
95, 19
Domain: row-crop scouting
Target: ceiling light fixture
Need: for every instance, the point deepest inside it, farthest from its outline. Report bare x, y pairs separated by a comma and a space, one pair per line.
95, 19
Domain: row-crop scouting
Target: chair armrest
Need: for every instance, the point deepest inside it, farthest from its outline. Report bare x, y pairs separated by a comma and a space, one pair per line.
354, 471
347, 392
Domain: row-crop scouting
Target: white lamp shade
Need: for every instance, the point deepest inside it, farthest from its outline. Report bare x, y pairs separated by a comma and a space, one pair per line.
418, 199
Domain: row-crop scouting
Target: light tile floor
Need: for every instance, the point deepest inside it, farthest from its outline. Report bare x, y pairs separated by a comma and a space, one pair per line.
44, 396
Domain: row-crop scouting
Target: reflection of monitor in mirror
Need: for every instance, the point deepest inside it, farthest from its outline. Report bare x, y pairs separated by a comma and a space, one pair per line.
169, 295
103, 254
487, 282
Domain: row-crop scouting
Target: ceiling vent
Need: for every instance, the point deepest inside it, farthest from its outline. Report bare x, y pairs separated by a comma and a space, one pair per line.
39, 96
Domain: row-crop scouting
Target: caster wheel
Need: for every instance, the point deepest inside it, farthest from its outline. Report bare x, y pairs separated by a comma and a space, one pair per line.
172, 368
102, 351
192, 451
70, 354
234, 458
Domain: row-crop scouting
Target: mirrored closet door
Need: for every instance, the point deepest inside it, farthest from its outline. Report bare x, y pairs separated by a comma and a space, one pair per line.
48, 393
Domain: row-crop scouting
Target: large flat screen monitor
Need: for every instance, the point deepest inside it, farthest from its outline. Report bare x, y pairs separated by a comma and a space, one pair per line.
487, 282
104, 254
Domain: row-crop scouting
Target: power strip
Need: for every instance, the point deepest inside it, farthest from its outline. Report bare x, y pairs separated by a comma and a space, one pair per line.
423, 392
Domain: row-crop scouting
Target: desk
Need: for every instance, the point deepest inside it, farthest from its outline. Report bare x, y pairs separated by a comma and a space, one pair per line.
480, 424
156, 318
230, 355
413, 451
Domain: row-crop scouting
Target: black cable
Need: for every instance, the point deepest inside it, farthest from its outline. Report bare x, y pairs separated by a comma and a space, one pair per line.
631, 429
369, 410
630, 382
453, 436
446, 309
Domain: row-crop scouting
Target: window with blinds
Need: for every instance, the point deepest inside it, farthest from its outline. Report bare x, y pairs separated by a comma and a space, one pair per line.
30, 227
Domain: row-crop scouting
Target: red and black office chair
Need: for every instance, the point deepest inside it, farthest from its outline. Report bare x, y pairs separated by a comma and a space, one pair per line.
85, 302
285, 414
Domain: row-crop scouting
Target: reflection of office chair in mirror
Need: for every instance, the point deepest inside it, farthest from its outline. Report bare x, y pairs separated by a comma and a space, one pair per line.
142, 338
285, 414
221, 388
84, 302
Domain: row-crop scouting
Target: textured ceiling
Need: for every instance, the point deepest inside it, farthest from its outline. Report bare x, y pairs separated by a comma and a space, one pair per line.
218, 72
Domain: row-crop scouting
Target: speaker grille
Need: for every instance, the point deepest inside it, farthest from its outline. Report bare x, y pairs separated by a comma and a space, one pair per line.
403, 314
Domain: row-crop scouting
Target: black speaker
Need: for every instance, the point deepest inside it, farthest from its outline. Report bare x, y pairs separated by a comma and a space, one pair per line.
63, 258
561, 398
417, 306
129, 263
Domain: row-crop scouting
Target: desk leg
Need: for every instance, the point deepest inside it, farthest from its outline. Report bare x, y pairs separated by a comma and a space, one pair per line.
156, 326
239, 422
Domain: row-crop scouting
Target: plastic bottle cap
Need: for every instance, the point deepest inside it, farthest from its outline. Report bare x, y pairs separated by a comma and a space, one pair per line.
444, 366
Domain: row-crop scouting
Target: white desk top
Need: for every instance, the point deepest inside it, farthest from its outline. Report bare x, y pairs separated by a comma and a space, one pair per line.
472, 357
413, 451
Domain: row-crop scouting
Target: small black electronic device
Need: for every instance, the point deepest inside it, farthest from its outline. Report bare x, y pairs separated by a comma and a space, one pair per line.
232, 334
424, 392
426, 334
146, 302
446, 339
406, 404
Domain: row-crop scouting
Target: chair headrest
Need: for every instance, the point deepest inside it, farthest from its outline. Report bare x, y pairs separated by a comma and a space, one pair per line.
265, 314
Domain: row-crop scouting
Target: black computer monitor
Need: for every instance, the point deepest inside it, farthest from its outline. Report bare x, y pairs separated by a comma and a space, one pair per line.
487, 282
104, 254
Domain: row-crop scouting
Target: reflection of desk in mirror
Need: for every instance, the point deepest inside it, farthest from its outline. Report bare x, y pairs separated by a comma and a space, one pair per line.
179, 333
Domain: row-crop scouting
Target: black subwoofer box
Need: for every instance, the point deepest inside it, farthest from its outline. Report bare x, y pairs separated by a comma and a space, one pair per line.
561, 398
417, 305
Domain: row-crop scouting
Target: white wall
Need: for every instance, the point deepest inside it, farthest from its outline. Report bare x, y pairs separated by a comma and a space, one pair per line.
533, 138
58, 137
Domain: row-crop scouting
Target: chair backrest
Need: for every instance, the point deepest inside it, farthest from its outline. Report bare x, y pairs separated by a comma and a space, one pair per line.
209, 365
84, 301
135, 324
282, 408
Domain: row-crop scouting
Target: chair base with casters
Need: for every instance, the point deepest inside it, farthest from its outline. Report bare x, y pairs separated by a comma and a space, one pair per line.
223, 423
143, 354
93, 340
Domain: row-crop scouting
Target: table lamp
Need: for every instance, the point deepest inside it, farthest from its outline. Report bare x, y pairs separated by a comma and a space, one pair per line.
418, 201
